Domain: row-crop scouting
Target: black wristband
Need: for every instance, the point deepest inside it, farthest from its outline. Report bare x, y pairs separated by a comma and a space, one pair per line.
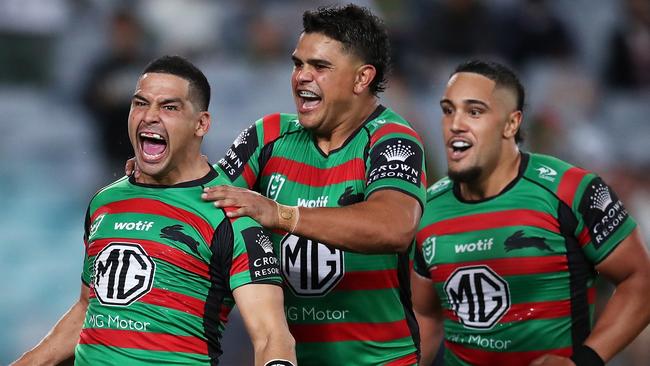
279, 363
585, 356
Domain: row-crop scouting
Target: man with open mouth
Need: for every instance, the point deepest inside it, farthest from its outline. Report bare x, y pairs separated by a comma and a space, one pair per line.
510, 243
162, 268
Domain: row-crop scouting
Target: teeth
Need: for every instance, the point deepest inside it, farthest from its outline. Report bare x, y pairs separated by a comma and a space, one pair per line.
152, 136
307, 94
460, 144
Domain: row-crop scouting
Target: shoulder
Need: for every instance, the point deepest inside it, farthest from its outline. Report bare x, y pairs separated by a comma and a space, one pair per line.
389, 124
557, 176
439, 188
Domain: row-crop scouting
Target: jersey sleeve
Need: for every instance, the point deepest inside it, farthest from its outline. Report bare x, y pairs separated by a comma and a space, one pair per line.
396, 161
253, 258
241, 164
603, 221
86, 272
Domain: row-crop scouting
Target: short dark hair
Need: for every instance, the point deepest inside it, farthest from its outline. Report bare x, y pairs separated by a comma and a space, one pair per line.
503, 76
199, 88
360, 32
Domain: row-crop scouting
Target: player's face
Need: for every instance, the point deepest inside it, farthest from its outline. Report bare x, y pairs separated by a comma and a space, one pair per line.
322, 82
474, 122
162, 124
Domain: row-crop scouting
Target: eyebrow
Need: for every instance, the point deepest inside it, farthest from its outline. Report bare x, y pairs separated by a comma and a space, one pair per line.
164, 101
466, 102
312, 61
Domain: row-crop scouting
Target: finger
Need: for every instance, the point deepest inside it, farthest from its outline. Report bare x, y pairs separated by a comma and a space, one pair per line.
128, 167
227, 202
236, 212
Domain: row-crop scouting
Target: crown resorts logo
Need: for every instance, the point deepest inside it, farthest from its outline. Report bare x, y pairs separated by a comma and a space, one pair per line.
265, 243
601, 199
397, 152
241, 139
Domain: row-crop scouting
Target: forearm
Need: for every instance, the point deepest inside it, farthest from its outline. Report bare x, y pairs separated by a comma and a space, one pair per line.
430, 337
60, 342
274, 347
626, 314
366, 227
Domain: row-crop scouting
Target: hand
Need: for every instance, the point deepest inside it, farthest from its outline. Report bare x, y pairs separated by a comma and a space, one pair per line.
249, 203
552, 360
131, 167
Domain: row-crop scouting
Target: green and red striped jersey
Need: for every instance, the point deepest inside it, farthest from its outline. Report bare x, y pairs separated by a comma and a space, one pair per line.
515, 272
343, 308
161, 265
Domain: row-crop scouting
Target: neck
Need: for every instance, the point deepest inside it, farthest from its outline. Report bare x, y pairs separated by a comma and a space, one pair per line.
348, 123
495, 180
192, 169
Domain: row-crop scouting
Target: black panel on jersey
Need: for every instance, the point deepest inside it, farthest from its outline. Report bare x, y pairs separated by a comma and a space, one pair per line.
220, 263
262, 262
602, 211
404, 279
239, 153
421, 267
398, 158
580, 270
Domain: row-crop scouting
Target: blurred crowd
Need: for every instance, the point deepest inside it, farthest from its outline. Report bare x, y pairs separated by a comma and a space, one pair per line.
68, 69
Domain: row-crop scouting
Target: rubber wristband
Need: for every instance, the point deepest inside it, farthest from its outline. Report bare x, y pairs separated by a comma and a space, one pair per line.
288, 217
586, 356
279, 363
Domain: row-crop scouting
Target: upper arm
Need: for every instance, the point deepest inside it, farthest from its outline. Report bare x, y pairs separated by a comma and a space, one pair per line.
393, 201
395, 161
262, 308
629, 258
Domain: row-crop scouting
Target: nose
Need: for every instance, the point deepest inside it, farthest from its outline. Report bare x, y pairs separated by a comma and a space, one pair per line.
457, 123
303, 75
152, 113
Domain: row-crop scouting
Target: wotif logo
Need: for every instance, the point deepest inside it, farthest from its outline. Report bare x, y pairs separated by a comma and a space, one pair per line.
319, 202
481, 245
397, 152
547, 173
134, 226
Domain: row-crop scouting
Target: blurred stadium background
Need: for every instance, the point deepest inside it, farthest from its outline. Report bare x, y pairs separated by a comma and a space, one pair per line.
68, 68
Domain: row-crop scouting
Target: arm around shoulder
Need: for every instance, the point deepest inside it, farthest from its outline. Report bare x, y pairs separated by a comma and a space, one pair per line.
262, 308
60, 342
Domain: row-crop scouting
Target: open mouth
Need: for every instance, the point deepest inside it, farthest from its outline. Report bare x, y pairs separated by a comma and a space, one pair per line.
457, 148
308, 100
153, 145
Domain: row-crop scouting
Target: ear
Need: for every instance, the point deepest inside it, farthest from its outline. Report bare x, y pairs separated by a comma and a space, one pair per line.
203, 124
365, 76
513, 123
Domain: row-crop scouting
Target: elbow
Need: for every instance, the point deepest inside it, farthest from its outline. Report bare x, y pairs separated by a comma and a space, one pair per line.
400, 238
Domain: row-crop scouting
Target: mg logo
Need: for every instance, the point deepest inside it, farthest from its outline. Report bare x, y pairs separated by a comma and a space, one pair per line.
478, 296
275, 185
310, 268
123, 273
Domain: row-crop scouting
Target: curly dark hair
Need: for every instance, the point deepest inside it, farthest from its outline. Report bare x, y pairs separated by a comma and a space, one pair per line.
360, 32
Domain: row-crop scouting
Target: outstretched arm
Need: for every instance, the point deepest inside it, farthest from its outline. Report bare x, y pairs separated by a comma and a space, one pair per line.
627, 312
426, 306
385, 223
60, 342
262, 308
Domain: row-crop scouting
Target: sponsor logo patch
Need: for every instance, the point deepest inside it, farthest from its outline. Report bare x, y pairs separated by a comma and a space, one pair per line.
602, 211
262, 262
95, 226
396, 158
123, 273
478, 296
239, 153
547, 173
429, 249
309, 267
275, 185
